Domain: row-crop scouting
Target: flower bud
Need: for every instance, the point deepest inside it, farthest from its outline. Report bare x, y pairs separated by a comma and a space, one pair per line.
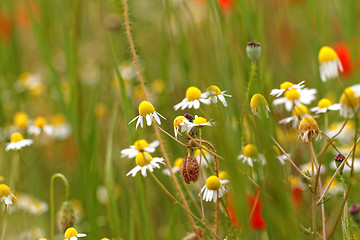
253, 50
66, 216
338, 160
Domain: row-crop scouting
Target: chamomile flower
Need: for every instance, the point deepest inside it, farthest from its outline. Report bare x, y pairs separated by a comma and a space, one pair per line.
282, 157
259, 105
192, 99
213, 189
250, 155
177, 166
308, 128
5, 194
208, 156
21, 120
285, 86
40, 125
349, 102
298, 113
181, 124
346, 136
296, 97
329, 63
139, 145
201, 122
307, 168
17, 142
144, 161
147, 111
61, 129
72, 234
325, 105
214, 93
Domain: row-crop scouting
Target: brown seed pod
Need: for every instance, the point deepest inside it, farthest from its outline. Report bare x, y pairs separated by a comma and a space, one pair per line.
190, 169
66, 216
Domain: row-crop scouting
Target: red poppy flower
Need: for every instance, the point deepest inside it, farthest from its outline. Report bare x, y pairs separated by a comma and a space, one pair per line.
5, 26
257, 221
225, 5
296, 196
344, 55
231, 211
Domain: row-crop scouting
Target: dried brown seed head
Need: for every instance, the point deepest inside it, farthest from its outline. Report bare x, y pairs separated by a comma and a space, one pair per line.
190, 169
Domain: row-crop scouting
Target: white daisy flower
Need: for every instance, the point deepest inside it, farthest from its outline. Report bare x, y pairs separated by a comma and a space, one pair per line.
208, 156
72, 234
177, 166
40, 125
349, 101
307, 167
259, 105
201, 122
325, 105
213, 189
192, 99
181, 124
144, 161
17, 142
298, 113
214, 93
346, 136
147, 111
5, 194
296, 97
61, 129
329, 63
139, 145
250, 155
285, 86
282, 157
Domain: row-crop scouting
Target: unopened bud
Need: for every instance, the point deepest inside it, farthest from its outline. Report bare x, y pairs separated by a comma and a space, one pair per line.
66, 216
338, 160
253, 50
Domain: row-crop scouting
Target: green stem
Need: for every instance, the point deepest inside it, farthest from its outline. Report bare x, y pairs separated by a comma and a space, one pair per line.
345, 217
2, 223
52, 205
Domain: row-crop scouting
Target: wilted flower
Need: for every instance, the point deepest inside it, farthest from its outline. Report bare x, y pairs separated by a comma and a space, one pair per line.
329, 63
308, 128
190, 169
147, 111
259, 105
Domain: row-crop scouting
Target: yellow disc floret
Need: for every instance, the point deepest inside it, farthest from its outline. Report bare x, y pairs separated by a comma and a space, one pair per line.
143, 159
257, 101
40, 122
286, 85
178, 162
58, 119
146, 108
250, 151
141, 144
105, 239
213, 183
327, 54
349, 99
4, 190
324, 103
193, 93
292, 94
178, 120
21, 120
215, 89
300, 110
70, 232
199, 120
42, 239
223, 175
16, 137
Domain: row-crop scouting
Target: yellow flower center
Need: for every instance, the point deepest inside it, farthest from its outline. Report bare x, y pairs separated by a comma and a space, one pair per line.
257, 101
350, 125
276, 150
70, 232
58, 119
300, 110
348, 98
324, 103
199, 120
193, 93
105, 239
223, 175
214, 88
213, 183
146, 108
24, 78
178, 162
21, 120
143, 159
141, 144
250, 151
16, 137
286, 85
4, 190
197, 152
292, 94
327, 54
178, 120
42, 239
40, 122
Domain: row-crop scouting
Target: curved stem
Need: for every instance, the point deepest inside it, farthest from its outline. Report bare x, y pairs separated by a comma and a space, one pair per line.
52, 204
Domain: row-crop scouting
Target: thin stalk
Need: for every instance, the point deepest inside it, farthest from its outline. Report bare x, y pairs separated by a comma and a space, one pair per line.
170, 135
15, 168
200, 194
52, 204
314, 190
2, 223
345, 216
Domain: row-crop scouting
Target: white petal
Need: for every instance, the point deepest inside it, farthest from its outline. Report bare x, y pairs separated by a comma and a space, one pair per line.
196, 104
148, 119
222, 99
